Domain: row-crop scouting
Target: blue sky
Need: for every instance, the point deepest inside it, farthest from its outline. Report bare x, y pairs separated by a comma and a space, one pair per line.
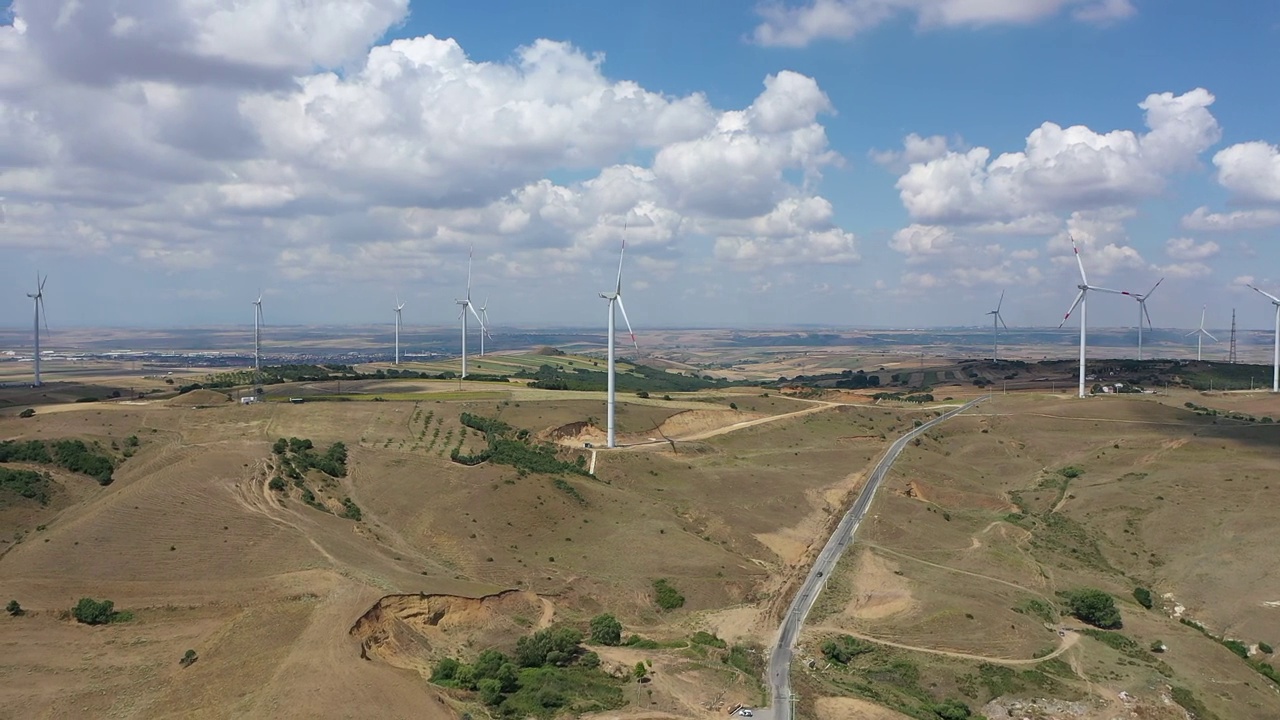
165, 160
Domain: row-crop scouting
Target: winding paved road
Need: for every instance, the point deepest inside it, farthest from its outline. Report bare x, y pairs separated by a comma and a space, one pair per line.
778, 673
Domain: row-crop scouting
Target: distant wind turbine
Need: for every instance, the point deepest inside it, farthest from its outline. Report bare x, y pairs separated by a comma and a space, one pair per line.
37, 299
257, 336
1081, 302
996, 317
1142, 311
1200, 334
399, 307
1275, 372
484, 324
615, 298
467, 306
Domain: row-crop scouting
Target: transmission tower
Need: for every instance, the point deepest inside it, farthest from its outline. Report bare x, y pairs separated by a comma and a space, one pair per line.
1231, 357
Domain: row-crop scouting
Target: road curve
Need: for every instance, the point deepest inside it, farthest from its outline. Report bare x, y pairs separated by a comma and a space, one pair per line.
778, 672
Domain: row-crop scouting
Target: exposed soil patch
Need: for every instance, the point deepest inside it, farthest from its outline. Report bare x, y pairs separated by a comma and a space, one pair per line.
411, 631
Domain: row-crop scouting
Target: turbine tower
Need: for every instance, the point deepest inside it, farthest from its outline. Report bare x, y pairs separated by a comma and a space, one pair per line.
996, 317
1275, 372
467, 306
1081, 301
615, 298
37, 299
1142, 311
484, 324
399, 307
1201, 333
257, 336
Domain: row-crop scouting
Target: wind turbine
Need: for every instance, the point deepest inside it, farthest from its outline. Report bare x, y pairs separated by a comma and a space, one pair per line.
399, 307
466, 305
257, 336
37, 299
1081, 301
484, 324
1201, 333
1142, 311
1275, 373
615, 298
996, 317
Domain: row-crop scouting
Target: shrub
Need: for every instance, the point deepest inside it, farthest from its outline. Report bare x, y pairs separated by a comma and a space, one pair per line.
709, 639
642, 394
733, 406
1095, 607
667, 597
606, 630
1143, 596
844, 648
188, 658
1264, 647
13, 608
27, 413
951, 710
94, 612
351, 511
1071, 472
1157, 646
277, 484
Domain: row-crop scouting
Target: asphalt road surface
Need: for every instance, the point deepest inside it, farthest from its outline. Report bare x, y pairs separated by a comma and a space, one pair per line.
778, 673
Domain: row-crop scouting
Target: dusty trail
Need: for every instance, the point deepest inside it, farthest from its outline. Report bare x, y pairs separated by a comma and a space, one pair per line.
1068, 641
818, 406
980, 576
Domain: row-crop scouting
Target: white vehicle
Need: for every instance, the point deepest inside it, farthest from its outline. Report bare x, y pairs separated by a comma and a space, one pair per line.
745, 712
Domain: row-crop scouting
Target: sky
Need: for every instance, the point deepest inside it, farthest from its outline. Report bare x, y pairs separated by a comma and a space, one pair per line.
847, 163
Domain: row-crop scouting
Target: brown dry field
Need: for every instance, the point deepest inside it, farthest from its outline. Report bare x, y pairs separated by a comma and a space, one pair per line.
1180, 503
280, 600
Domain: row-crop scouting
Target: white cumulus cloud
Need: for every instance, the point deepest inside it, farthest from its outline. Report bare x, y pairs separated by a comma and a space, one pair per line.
1064, 168
790, 25
1251, 170
1189, 249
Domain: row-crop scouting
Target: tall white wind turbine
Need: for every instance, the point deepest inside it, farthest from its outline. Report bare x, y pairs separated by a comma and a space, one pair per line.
1275, 373
399, 307
996, 317
1081, 302
257, 336
615, 298
1200, 334
37, 299
467, 306
484, 324
1142, 311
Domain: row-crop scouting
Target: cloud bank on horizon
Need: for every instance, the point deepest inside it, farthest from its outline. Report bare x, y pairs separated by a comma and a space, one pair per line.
329, 145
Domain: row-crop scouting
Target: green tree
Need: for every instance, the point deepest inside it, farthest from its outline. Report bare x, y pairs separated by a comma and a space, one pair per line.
640, 671
490, 691
951, 710
489, 663
1095, 607
93, 612
667, 597
1143, 596
606, 630
445, 670
13, 608
188, 658
280, 447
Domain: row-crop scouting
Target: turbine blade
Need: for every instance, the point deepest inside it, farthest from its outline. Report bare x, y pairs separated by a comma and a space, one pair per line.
621, 256
42, 282
1001, 303
1109, 290
1001, 319
44, 314
1202, 311
1079, 262
1153, 289
1268, 295
469, 254
1193, 332
1147, 314
476, 315
1211, 337
1074, 305
623, 308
